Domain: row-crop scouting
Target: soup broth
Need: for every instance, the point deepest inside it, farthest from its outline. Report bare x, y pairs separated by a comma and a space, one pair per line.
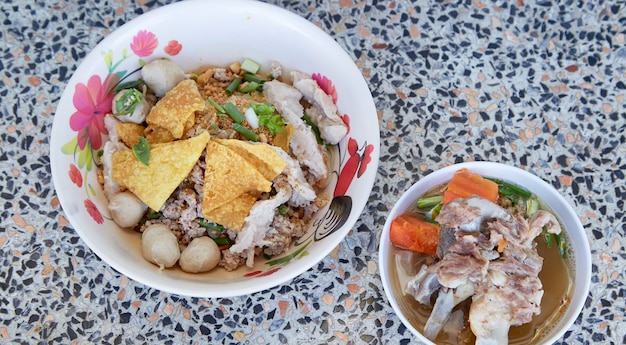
556, 276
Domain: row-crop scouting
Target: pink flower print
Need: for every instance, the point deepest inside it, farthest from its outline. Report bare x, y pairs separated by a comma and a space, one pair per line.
173, 48
144, 43
93, 211
326, 85
75, 175
92, 103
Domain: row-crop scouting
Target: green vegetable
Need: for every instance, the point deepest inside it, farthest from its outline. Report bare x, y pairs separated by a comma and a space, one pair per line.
549, 237
128, 85
233, 86
250, 66
263, 108
127, 103
558, 239
210, 225
532, 205
245, 132
274, 123
435, 211
251, 86
253, 78
222, 241
216, 106
282, 209
511, 190
315, 129
268, 117
561, 244
141, 150
234, 113
428, 202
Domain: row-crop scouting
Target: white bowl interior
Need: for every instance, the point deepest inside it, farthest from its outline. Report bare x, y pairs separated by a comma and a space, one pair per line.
576, 237
217, 33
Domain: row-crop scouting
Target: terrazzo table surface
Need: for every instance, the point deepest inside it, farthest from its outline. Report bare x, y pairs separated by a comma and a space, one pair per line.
538, 85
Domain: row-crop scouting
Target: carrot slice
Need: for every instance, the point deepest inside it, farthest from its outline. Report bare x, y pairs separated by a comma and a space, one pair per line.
414, 234
465, 183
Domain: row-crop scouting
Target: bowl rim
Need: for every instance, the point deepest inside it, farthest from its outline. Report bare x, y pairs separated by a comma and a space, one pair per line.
242, 287
581, 268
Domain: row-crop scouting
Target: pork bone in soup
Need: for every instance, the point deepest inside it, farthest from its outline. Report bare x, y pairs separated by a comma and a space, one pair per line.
498, 273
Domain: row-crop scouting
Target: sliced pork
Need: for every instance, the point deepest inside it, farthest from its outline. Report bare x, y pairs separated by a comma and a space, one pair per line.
257, 224
324, 112
303, 144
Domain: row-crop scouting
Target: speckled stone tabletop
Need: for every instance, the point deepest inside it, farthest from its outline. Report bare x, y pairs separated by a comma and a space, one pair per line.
535, 84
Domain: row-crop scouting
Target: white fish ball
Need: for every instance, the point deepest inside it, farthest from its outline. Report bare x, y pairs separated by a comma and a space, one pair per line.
140, 111
160, 246
162, 75
201, 255
126, 209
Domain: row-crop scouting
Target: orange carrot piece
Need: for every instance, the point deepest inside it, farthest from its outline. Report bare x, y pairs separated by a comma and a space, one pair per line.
465, 183
414, 234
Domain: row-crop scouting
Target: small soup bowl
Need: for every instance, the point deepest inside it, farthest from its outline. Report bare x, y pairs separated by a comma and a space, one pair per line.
579, 255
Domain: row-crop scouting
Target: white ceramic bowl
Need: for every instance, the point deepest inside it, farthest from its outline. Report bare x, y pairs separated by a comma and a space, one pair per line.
195, 34
576, 237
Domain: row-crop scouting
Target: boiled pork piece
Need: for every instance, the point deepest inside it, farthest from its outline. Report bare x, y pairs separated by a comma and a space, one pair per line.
487, 254
512, 290
324, 112
303, 143
423, 285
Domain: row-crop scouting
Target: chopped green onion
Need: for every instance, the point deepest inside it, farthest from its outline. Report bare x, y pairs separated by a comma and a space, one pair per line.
233, 86
315, 129
250, 66
435, 211
532, 205
282, 209
210, 225
429, 201
251, 86
549, 239
562, 245
253, 78
128, 85
151, 214
245, 132
222, 241
213, 229
216, 106
511, 188
234, 113
141, 150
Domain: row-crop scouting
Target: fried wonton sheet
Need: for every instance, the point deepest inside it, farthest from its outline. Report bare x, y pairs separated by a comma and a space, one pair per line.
227, 176
232, 214
261, 155
169, 165
129, 133
175, 112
